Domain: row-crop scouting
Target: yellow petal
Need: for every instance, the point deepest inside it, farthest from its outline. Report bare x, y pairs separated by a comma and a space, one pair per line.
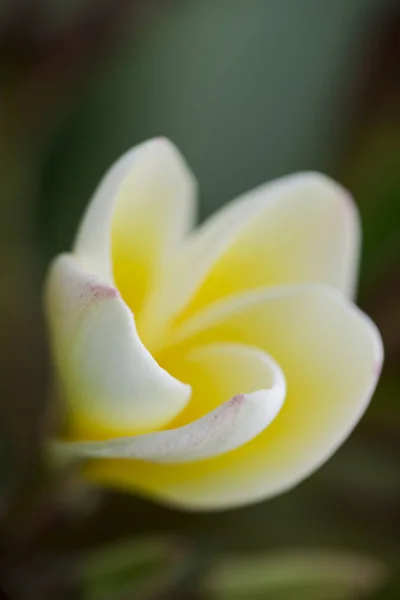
225, 428
298, 229
112, 385
330, 354
143, 207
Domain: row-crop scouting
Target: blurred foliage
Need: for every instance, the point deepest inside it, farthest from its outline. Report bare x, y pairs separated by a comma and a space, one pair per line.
237, 126
143, 567
296, 574
248, 91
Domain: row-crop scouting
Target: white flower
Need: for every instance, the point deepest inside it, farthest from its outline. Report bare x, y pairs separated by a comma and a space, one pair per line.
213, 367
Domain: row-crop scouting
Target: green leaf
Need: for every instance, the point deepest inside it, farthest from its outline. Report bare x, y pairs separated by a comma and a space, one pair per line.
142, 567
296, 575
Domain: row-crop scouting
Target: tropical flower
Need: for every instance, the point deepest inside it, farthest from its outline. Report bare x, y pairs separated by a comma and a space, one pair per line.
212, 367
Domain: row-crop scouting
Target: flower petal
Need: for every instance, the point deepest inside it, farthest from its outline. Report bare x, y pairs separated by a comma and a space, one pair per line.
299, 229
330, 354
218, 368
112, 384
143, 207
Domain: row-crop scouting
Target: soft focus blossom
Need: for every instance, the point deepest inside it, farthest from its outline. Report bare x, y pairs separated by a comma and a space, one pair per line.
211, 367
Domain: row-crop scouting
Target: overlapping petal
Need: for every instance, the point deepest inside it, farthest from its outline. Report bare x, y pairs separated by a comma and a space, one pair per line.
298, 229
141, 210
111, 383
330, 354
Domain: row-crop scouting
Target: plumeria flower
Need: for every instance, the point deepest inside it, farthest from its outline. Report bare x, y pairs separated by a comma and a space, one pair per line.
212, 367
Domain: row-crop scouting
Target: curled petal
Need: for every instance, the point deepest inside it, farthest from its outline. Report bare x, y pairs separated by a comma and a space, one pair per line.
111, 383
225, 428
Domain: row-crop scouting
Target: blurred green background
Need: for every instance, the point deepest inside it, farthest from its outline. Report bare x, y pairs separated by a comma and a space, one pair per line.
248, 90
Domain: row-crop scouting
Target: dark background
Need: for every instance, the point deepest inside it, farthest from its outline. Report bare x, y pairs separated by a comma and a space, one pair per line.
248, 90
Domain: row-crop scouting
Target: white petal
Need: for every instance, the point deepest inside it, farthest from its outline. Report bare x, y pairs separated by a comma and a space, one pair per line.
112, 384
142, 208
227, 427
299, 229
330, 354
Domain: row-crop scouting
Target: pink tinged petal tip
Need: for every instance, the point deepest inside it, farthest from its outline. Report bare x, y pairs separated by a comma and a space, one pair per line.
100, 291
377, 369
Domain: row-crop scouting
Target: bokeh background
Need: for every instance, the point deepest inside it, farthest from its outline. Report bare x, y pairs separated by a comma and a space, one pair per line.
248, 90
